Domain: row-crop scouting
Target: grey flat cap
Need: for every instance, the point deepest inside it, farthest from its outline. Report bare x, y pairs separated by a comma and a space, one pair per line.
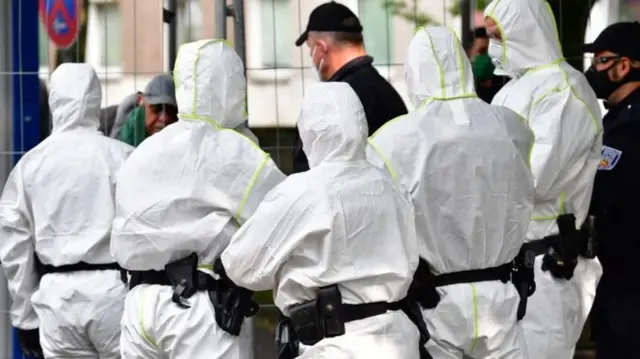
161, 91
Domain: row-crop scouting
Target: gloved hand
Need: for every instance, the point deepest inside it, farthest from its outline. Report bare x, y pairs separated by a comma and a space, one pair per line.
30, 342
559, 268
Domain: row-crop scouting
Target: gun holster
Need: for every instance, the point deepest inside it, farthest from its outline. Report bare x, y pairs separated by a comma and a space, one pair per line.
588, 238
562, 257
422, 289
232, 304
287, 341
319, 318
523, 278
183, 277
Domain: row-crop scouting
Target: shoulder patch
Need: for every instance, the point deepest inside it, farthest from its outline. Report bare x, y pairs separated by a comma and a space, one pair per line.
609, 158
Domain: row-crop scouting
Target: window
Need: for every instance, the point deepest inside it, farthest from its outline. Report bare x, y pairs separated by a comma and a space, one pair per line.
276, 33
104, 37
189, 17
377, 24
111, 35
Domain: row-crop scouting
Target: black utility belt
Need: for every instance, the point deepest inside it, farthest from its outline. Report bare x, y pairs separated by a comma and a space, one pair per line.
202, 282
82, 266
501, 273
77, 267
231, 304
325, 316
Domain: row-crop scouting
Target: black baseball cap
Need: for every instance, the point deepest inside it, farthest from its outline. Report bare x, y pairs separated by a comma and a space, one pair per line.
620, 38
331, 16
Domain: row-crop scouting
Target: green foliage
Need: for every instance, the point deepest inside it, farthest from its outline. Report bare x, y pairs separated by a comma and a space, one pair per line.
265, 297
410, 13
454, 9
403, 9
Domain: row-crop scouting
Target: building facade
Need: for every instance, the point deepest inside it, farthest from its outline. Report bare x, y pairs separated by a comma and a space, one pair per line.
126, 44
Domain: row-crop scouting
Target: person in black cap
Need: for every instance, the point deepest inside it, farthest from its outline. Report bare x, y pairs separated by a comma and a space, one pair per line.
336, 46
615, 204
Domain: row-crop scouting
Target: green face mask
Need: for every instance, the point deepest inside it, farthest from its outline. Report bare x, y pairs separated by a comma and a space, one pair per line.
482, 68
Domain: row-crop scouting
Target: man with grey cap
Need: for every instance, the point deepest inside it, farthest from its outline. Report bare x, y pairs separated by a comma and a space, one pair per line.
156, 108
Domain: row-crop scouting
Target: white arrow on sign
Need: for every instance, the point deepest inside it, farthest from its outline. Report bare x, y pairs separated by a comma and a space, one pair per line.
59, 25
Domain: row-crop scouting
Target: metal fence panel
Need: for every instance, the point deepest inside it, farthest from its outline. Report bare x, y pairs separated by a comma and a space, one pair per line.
127, 43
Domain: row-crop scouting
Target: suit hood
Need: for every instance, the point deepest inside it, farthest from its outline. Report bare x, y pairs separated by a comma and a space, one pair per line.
332, 124
210, 83
529, 34
75, 97
437, 66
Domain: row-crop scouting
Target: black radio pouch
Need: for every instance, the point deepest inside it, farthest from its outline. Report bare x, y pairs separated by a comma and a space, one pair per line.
320, 318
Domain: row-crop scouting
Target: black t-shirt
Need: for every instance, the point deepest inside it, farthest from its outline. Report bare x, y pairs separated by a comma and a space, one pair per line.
381, 102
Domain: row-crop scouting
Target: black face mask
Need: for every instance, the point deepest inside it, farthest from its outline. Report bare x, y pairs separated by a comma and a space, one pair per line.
603, 86
600, 82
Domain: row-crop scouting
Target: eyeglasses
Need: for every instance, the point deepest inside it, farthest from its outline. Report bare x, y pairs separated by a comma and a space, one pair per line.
160, 108
601, 60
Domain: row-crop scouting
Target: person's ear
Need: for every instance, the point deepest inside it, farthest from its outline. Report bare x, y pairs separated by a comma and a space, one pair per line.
321, 46
623, 67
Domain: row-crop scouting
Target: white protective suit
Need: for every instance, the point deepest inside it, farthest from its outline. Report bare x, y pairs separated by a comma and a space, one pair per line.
58, 204
564, 114
187, 189
342, 222
465, 163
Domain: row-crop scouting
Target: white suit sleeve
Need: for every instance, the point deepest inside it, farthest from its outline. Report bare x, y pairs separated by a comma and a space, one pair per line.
565, 133
266, 176
263, 244
17, 251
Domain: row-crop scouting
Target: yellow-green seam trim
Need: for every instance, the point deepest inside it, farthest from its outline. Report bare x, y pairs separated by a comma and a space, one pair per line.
432, 98
555, 26
463, 78
476, 329
387, 164
503, 35
252, 183
144, 333
440, 70
573, 91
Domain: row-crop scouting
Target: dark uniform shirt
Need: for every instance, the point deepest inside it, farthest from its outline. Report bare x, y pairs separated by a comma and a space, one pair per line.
616, 195
380, 100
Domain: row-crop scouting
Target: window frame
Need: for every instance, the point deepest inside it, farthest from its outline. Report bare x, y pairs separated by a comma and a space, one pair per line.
94, 53
254, 40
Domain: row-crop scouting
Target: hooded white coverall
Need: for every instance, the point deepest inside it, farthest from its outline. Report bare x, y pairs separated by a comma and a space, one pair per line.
187, 189
342, 222
564, 114
465, 163
58, 204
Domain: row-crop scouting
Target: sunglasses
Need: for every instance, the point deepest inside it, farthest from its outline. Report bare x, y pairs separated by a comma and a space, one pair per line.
163, 108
